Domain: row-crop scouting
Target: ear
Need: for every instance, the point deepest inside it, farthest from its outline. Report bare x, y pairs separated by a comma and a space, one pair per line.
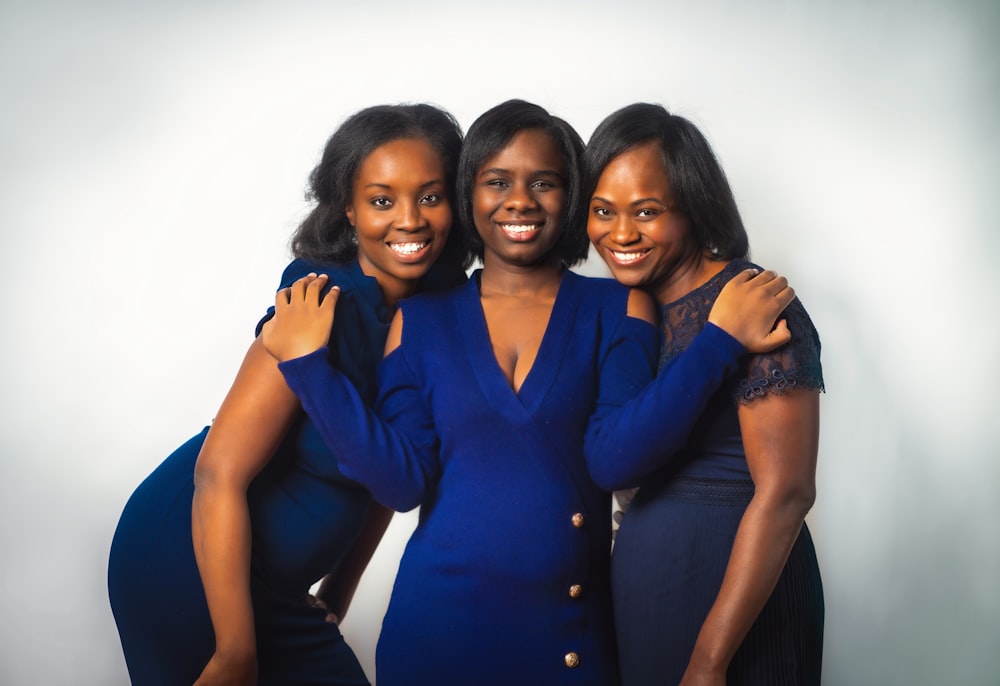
349, 211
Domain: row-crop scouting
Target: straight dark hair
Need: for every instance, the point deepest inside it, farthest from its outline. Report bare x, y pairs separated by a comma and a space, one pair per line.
326, 236
698, 186
493, 131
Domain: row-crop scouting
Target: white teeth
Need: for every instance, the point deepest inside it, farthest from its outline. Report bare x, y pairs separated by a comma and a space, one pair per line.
518, 228
408, 248
627, 256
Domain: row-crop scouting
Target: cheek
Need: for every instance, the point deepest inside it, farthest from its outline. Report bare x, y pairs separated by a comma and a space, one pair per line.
555, 201
370, 225
480, 206
481, 211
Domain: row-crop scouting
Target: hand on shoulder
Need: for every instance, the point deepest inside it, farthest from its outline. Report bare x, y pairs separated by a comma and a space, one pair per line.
302, 319
748, 308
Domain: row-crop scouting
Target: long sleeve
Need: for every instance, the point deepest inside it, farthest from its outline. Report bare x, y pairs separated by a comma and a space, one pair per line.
395, 457
629, 439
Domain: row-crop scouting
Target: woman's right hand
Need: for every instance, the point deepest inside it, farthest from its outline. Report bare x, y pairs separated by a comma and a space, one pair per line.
302, 318
748, 307
227, 672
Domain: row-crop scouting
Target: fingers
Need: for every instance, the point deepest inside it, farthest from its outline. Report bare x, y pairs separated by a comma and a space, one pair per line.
313, 287
771, 284
745, 275
785, 297
282, 297
779, 335
329, 300
307, 289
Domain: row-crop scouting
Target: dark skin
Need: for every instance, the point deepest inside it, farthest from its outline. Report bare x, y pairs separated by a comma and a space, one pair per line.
648, 243
517, 203
517, 206
398, 198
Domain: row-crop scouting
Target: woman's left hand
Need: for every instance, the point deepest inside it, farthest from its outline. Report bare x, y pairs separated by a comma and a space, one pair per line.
302, 318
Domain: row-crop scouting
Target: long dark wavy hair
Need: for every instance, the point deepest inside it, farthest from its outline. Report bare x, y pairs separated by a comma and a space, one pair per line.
698, 186
326, 236
487, 136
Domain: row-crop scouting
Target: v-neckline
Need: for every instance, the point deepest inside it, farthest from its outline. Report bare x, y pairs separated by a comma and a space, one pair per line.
543, 369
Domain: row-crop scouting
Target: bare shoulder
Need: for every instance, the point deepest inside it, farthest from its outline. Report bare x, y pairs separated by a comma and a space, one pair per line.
642, 306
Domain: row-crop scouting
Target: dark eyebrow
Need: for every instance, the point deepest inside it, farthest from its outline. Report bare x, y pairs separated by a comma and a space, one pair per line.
500, 170
428, 184
633, 203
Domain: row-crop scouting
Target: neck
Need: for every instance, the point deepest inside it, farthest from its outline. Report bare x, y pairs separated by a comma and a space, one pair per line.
687, 276
393, 289
500, 278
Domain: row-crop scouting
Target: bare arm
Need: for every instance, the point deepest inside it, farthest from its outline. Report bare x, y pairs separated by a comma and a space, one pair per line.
254, 417
781, 437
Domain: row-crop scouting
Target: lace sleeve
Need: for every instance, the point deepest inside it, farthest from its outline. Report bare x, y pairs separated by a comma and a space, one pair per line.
792, 366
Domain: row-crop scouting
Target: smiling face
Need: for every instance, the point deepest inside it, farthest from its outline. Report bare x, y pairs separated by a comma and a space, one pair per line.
634, 226
401, 212
518, 199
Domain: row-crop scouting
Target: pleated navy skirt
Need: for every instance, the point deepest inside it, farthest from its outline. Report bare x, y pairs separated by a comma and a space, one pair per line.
669, 559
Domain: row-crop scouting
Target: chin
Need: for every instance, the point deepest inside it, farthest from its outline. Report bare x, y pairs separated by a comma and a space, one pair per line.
626, 278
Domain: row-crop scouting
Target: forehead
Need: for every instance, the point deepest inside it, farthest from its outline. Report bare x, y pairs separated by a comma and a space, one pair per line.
401, 154
530, 149
641, 165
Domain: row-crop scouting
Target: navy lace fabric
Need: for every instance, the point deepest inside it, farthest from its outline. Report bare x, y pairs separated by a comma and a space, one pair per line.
794, 365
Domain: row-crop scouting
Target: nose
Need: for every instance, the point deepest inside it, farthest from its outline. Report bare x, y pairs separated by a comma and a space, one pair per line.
623, 231
411, 216
521, 198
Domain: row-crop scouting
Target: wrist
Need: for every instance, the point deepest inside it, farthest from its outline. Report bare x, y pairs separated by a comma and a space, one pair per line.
236, 656
707, 663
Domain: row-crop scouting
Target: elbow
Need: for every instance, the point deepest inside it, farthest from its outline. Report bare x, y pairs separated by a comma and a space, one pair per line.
213, 475
399, 502
802, 500
610, 481
604, 465
604, 473
795, 498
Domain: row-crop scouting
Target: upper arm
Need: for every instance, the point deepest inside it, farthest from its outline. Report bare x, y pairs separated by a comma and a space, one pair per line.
642, 306
781, 441
254, 417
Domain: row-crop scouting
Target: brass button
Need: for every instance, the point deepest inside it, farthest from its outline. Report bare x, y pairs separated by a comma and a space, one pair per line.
578, 520
575, 591
572, 660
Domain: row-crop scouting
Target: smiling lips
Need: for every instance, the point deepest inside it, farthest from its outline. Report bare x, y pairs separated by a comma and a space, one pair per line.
520, 232
409, 251
628, 258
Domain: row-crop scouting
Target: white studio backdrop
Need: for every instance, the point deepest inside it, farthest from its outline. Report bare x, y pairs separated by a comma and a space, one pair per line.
154, 162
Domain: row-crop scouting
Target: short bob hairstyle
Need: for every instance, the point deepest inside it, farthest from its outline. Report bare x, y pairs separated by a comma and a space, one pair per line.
487, 136
698, 185
325, 236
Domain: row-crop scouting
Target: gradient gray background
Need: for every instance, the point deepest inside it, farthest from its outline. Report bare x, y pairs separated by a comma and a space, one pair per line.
153, 163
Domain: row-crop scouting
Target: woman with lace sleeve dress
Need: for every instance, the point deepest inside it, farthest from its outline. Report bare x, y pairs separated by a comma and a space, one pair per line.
714, 575
485, 398
216, 551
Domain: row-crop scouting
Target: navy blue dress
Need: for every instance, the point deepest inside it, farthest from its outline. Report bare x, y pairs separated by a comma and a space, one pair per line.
506, 578
305, 515
674, 542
